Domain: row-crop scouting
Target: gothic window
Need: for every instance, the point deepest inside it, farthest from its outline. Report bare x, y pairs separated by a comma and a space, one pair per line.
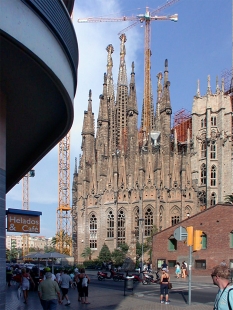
136, 224
175, 215
121, 227
203, 174
213, 199
93, 231
203, 149
203, 122
148, 221
213, 150
110, 225
213, 176
213, 121
188, 211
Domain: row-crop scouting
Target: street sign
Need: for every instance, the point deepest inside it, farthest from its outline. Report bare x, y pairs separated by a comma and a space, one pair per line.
180, 234
24, 221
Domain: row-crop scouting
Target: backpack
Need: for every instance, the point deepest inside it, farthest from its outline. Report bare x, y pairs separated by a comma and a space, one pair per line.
85, 282
228, 299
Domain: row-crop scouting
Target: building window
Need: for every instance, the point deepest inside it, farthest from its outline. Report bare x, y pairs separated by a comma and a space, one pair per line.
175, 219
203, 149
204, 241
213, 176
231, 240
203, 122
213, 121
213, 199
148, 222
171, 263
136, 224
172, 244
200, 264
203, 174
175, 215
110, 225
121, 227
93, 231
213, 150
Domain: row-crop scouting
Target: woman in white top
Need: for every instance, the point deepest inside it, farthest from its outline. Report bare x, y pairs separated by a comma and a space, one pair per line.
25, 283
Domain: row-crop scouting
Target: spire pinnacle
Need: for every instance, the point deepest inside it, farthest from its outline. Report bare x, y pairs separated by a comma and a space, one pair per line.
198, 89
208, 86
132, 67
223, 85
90, 101
217, 86
75, 165
122, 77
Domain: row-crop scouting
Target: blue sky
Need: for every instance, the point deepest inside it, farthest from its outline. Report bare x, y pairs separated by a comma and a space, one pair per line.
198, 45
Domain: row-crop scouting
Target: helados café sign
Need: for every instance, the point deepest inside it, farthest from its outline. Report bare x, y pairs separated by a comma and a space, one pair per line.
24, 221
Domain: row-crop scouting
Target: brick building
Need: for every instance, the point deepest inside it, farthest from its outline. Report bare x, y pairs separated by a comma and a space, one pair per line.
216, 224
127, 180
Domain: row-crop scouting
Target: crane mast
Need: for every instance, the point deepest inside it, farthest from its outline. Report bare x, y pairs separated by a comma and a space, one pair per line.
141, 18
64, 210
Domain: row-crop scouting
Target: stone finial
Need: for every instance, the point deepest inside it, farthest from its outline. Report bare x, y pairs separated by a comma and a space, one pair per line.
105, 78
132, 67
208, 86
166, 65
217, 86
198, 89
223, 85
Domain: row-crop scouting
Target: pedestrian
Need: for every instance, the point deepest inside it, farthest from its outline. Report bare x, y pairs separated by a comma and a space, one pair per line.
224, 298
84, 281
79, 286
47, 269
223, 263
26, 279
58, 277
183, 268
49, 293
164, 265
165, 279
177, 271
65, 284
9, 276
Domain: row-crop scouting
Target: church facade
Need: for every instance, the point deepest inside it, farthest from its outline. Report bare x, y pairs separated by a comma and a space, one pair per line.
126, 184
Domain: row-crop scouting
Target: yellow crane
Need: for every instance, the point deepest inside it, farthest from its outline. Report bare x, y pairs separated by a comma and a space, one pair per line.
63, 234
25, 206
146, 18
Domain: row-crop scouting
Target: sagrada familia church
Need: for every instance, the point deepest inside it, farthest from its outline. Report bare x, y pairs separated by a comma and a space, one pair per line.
127, 183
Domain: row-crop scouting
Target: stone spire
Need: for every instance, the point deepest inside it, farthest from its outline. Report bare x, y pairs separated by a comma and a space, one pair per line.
217, 86
198, 89
122, 76
208, 86
166, 104
159, 97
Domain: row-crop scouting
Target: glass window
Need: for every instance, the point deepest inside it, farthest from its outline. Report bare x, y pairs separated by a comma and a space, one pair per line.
175, 215
148, 221
203, 149
213, 199
172, 244
171, 263
213, 121
204, 241
93, 231
213, 176
213, 150
200, 264
203, 122
231, 239
110, 225
203, 174
121, 227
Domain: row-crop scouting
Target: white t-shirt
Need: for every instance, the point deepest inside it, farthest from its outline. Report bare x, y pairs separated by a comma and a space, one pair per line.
65, 280
53, 277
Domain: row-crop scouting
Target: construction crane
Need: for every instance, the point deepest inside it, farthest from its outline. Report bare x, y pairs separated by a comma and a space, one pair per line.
141, 18
63, 235
25, 206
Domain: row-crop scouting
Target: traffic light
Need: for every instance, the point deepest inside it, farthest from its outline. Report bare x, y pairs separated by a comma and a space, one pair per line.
189, 235
197, 240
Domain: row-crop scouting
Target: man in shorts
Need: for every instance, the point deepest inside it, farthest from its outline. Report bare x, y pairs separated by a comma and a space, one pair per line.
65, 284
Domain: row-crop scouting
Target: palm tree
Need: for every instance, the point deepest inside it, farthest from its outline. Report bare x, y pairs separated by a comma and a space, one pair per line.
62, 242
229, 198
87, 253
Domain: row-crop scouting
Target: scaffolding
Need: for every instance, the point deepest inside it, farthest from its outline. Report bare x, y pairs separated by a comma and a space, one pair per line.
182, 122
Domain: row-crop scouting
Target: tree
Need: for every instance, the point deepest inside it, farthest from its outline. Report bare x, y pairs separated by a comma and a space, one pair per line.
229, 198
105, 254
149, 241
119, 254
87, 253
62, 242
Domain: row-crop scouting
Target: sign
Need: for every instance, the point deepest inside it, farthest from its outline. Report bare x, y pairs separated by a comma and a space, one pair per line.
180, 233
24, 221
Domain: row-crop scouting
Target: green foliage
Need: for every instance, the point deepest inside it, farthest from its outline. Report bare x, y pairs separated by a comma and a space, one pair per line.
119, 254
229, 198
62, 241
87, 253
105, 254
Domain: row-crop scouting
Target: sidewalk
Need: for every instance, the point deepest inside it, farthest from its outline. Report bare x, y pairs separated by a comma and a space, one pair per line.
107, 299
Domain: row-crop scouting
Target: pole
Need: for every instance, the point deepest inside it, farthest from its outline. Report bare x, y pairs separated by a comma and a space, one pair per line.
142, 246
190, 274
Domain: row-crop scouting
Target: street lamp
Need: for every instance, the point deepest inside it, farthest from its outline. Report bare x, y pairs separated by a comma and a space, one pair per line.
141, 222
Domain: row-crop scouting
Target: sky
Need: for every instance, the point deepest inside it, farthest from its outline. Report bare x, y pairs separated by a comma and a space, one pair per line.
198, 45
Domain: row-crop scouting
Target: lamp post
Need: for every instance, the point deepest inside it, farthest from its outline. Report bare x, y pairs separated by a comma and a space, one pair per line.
141, 221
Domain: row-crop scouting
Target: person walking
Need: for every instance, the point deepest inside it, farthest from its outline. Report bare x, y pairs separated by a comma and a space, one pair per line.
183, 268
178, 271
165, 279
49, 293
224, 298
84, 281
65, 284
25, 283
